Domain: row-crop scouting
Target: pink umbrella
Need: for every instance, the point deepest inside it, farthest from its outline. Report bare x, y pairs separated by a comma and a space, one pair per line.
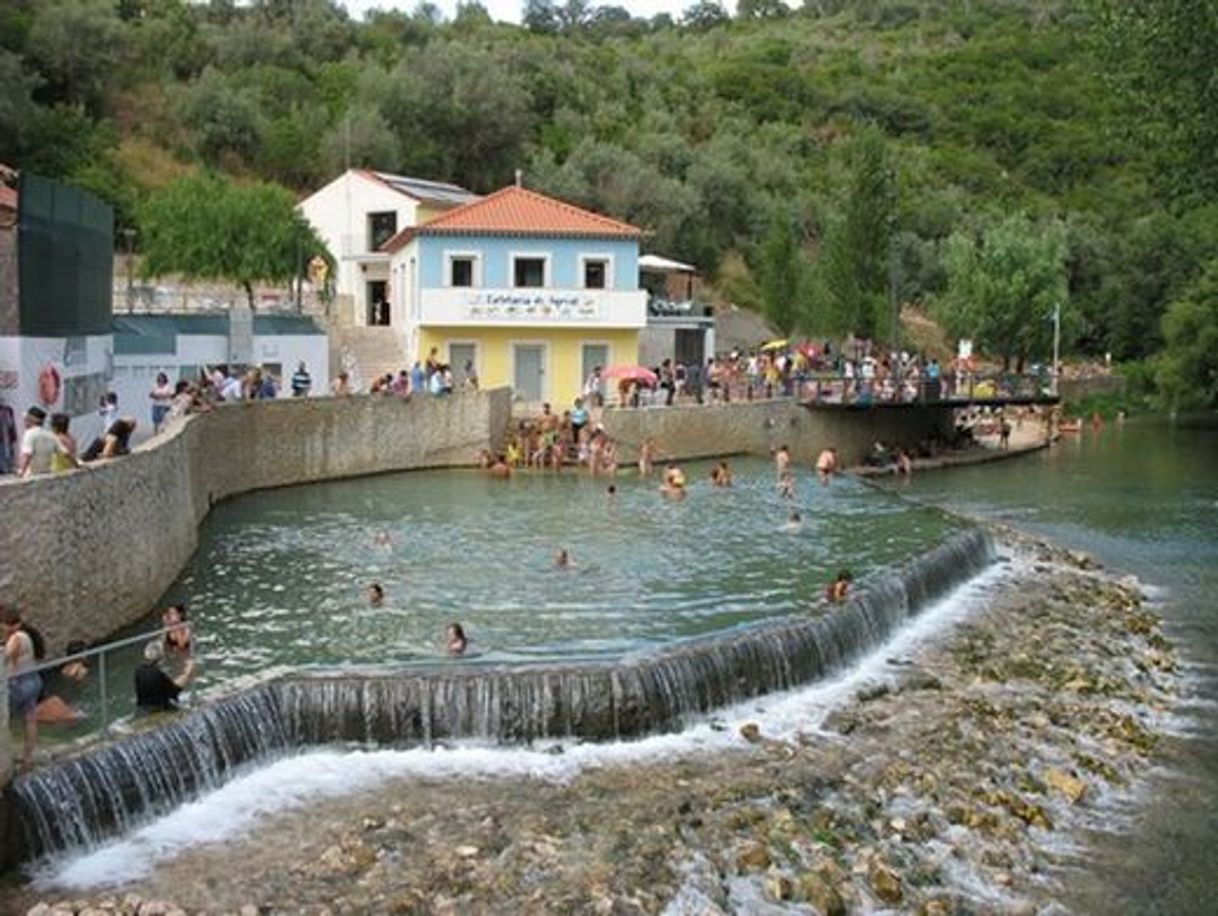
634, 373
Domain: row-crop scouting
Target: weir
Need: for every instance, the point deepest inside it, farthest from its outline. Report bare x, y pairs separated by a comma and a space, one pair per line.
109, 790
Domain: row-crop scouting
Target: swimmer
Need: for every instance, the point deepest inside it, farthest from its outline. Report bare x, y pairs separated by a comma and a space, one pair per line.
455, 639
376, 595
904, 463
836, 590
383, 539
499, 468
721, 475
786, 485
562, 559
782, 461
826, 465
674, 482
611, 492
647, 456
795, 521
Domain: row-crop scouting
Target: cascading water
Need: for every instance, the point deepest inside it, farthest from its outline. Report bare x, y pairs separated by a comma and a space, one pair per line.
101, 792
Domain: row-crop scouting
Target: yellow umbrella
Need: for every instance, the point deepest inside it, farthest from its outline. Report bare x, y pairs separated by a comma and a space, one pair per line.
775, 344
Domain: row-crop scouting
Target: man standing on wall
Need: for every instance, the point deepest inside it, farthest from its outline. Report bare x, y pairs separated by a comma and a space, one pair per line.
301, 382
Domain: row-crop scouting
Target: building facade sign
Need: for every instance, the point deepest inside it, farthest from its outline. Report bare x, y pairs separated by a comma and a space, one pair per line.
530, 305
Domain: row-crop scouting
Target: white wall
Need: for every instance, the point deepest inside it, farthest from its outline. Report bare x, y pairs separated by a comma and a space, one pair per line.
82, 365
135, 374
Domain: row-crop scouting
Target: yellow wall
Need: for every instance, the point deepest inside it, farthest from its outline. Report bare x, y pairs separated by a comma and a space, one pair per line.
563, 378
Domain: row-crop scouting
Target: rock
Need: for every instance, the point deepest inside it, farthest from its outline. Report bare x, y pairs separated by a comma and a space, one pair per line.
154, 908
248, 910
466, 852
753, 857
373, 823
873, 692
132, 902
920, 680
841, 722
885, 883
1070, 786
935, 907
814, 889
778, 887
750, 732
38, 909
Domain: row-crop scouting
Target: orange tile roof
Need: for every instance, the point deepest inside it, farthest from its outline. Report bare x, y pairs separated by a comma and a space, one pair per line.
518, 211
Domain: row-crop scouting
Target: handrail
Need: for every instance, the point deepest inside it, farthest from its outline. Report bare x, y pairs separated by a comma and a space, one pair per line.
101, 652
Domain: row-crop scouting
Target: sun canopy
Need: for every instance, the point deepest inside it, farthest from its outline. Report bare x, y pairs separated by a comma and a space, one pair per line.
657, 264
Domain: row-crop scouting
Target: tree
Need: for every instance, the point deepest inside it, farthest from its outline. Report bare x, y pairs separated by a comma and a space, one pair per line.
703, 15
1003, 286
1161, 57
856, 256
761, 9
1187, 372
781, 268
205, 227
76, 44
540, 16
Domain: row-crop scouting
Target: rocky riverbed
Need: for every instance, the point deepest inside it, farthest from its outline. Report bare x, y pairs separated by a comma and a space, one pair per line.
959, 781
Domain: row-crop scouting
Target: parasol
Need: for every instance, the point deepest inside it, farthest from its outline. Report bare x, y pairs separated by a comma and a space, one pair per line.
633, 373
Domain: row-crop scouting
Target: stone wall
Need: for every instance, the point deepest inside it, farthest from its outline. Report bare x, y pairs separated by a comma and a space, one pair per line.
759, 427
1075, 389
9, 316
91, 551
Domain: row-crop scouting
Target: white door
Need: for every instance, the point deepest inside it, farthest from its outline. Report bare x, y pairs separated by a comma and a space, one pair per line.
529, 362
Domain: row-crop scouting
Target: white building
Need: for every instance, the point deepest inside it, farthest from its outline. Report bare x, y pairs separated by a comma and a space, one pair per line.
358, 212
183, 345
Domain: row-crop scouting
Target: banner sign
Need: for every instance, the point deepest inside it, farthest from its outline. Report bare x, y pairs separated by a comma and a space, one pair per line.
528, 305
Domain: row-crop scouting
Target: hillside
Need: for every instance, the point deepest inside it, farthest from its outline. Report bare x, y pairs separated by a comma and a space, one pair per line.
710, 133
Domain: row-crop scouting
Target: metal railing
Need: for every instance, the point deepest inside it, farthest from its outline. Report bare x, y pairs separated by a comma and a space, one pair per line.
828, 388
103, 680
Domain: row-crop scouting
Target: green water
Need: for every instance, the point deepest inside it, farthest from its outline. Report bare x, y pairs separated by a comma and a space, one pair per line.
1142, 498
279, 579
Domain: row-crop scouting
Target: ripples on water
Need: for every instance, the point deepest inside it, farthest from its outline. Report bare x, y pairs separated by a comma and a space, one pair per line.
279, 578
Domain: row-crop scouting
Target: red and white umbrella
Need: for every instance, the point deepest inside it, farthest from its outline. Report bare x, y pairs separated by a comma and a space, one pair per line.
633, 373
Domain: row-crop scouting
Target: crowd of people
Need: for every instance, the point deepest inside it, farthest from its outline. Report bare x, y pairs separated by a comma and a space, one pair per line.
855, 372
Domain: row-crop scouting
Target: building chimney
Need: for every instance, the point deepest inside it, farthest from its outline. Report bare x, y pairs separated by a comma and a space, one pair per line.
519, 178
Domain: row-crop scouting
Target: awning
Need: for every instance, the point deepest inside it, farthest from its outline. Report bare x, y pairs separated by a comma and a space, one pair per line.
657, 264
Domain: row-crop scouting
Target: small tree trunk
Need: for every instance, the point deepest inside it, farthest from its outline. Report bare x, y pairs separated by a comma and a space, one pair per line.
249, 294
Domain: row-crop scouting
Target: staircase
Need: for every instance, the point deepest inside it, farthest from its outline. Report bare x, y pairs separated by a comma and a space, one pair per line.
365, 353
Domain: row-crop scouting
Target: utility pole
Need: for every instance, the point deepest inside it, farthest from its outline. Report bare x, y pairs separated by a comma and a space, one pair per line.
894, 307
1057, 343
129, 237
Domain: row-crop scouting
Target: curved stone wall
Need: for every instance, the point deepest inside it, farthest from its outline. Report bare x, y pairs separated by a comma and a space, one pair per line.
90, 551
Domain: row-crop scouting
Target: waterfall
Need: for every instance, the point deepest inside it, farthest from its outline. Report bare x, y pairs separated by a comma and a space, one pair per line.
104, 791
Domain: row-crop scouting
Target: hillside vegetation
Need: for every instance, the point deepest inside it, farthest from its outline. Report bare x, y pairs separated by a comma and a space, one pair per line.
810, 161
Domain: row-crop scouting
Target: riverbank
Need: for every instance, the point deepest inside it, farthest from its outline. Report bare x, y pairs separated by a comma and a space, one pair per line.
956, 778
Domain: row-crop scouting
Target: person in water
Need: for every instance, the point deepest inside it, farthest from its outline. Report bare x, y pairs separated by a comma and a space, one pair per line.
721, 475
52, 708
674, 482
826, 465
786, 485
562, 558
168, 664
376, 595
782, 461
455, 638
795, 521
837, 590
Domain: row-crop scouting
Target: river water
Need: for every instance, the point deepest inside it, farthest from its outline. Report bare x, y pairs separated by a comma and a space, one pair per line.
1143, 498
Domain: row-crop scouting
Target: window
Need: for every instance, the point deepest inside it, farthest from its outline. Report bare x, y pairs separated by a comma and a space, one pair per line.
461, 271
381, 228
530, 272
596, 272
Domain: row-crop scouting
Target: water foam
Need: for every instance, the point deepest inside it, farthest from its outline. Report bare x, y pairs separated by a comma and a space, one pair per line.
233, 810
